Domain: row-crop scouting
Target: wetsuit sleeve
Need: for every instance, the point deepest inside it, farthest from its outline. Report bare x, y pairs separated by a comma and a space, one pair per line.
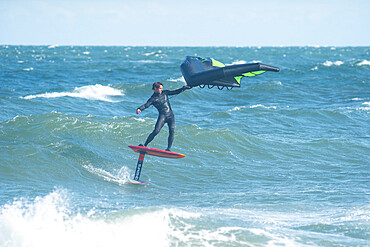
177, 91
147, 104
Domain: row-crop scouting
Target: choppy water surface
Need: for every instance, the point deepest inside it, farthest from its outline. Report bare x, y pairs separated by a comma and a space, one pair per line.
283, 160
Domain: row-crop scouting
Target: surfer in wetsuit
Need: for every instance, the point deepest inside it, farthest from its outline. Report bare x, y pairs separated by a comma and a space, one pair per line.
160, 101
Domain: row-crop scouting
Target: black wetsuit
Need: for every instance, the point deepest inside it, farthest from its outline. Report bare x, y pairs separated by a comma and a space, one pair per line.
161, 102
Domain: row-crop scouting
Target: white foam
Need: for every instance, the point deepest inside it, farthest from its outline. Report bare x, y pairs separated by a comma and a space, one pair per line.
262, 106
28, 69
121, 176
356, 108
224, 236
275, 238
152, 61
140, 119
52, 46
243, 62
330, 63
277, 83
91, 92
156, 53
53, 220
180, 79
49, 221
365, 107
364, 62
237, 108
238, 62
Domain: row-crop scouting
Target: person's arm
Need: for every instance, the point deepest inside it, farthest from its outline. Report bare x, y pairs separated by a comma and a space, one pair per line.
146, 105
177, 91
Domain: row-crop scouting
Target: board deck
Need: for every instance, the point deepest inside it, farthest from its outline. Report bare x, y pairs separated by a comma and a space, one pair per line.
156, 152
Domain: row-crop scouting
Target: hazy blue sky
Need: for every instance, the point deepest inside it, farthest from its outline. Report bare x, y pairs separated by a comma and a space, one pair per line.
187, 22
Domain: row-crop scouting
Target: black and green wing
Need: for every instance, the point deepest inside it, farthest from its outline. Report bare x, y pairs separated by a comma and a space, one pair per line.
199, 71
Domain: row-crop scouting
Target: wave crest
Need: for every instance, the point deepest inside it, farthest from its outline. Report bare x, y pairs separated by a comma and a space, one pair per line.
330, 63
90, 92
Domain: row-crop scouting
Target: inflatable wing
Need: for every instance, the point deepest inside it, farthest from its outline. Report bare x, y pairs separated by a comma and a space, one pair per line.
199, 71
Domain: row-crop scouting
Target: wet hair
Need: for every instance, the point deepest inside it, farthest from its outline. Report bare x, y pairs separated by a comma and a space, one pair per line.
157, 84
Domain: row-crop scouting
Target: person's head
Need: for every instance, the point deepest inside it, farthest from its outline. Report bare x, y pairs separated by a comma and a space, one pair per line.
157, 87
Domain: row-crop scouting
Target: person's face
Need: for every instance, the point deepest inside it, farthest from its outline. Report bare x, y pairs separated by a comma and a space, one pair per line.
159, 89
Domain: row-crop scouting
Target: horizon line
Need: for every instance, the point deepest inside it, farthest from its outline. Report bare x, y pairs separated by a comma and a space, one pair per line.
142, 45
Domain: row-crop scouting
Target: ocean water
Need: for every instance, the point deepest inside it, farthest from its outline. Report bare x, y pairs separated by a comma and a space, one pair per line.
281, 161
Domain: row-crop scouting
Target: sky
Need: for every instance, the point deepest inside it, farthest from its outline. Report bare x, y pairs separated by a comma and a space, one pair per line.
185, 23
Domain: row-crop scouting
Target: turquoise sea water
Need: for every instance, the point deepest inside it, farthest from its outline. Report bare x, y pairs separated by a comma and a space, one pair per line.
281, 161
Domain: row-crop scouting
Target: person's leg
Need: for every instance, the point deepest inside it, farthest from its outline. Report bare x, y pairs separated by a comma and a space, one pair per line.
171, 129
157, 128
